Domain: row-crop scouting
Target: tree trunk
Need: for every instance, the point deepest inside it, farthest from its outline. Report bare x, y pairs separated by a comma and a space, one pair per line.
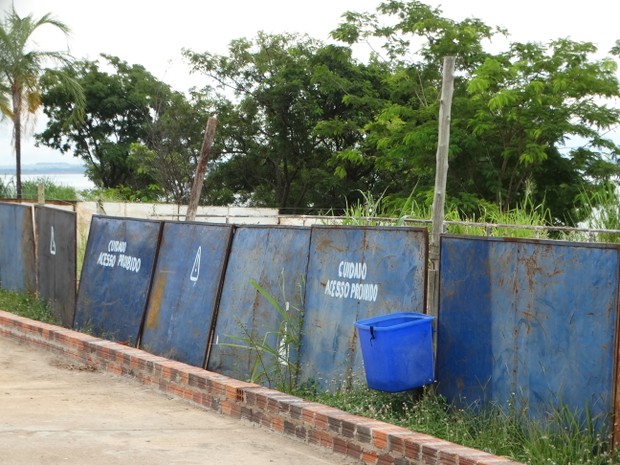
201, 168
17, 134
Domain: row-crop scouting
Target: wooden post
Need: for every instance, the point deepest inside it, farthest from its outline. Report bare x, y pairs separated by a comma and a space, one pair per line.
201, 168
41, 193
441, 175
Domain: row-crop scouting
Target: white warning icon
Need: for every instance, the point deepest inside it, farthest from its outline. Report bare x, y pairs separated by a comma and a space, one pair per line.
196, 268
52, 242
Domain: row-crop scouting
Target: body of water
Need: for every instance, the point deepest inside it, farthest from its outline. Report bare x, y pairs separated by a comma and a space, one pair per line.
78, 181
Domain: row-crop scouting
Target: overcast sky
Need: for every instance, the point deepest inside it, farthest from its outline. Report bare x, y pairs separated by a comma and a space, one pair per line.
152, 33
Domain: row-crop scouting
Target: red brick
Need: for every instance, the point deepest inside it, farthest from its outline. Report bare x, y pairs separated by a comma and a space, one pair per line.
450, 454
430, 451
385, 459
369, 457
320, 438
490, 459
277, 424
320, 421
354, 450
340, 446
231, 409
379, 439
307, 415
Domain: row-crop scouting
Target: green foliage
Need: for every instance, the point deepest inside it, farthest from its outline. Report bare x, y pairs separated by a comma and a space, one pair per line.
30, 190
500, 430
7, 188
566, 438
532, 99
526, 220
53, 191
603, 206
26, 305
381, 211
512, 113
129, 114
275, 349
286, 137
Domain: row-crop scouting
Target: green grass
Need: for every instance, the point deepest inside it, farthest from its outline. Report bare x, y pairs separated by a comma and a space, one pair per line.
26, 305
53, 191
562, 440
604, 207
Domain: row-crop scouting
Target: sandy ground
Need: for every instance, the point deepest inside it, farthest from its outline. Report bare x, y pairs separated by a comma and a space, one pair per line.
54, 412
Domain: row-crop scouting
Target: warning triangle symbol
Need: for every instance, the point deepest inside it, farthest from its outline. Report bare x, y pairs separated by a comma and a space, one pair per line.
52, 242
196, 268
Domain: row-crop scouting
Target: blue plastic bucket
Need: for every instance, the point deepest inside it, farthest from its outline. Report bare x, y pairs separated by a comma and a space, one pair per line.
397, 350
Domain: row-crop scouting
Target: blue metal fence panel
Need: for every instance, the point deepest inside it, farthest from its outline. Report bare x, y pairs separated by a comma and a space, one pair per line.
56, 260
183, 296
356, 273
276, 259
116, 275
17, 251
531, 323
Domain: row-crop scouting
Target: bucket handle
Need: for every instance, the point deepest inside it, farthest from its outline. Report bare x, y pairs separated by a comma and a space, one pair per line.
372, 333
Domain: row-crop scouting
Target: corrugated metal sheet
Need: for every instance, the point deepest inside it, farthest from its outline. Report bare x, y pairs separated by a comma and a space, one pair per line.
528, 323
276, 258
56, 262
356, 273
17, 250
118, 266
183, 297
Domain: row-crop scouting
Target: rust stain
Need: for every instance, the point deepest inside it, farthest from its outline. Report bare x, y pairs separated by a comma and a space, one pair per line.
327, 245
157, 296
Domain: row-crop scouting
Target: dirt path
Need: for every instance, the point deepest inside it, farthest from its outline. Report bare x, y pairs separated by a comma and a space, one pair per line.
53, 412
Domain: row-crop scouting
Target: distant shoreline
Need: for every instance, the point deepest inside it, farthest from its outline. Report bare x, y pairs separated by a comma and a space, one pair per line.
44, 168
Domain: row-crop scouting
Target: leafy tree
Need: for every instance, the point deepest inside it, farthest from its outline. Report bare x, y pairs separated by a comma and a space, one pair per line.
173, 146
123, 108
283, 118
512, 112
21, 68
534, 99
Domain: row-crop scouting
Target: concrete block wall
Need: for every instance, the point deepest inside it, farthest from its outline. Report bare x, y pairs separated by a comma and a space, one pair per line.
364, 439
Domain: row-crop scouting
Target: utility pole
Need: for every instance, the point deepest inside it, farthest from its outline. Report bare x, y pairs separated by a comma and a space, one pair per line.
201, 168
441, 175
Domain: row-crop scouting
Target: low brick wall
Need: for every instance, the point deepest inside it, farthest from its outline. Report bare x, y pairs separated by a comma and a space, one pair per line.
368, 440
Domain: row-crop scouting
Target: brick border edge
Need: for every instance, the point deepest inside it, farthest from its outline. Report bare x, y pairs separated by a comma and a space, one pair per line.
370, 441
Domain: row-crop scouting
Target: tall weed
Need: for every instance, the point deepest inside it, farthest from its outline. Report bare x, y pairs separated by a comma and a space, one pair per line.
500, 430
604, 207
275, 350
53, 191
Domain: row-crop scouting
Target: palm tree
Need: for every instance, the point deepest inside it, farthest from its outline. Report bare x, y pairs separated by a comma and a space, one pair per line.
21, 68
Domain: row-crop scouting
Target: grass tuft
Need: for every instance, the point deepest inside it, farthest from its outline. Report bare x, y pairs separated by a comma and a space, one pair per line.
27, 305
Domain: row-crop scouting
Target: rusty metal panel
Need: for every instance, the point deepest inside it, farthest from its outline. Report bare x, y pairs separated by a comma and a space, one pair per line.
56, 260
528, 323
276, 258
188, 275
116, 275
356, 273
17, 250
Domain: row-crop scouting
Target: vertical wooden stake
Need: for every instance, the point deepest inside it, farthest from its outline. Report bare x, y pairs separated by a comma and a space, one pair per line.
441, 175
41, 194
201, 168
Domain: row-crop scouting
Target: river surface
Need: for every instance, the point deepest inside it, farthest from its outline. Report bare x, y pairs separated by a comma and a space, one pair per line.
76, 180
